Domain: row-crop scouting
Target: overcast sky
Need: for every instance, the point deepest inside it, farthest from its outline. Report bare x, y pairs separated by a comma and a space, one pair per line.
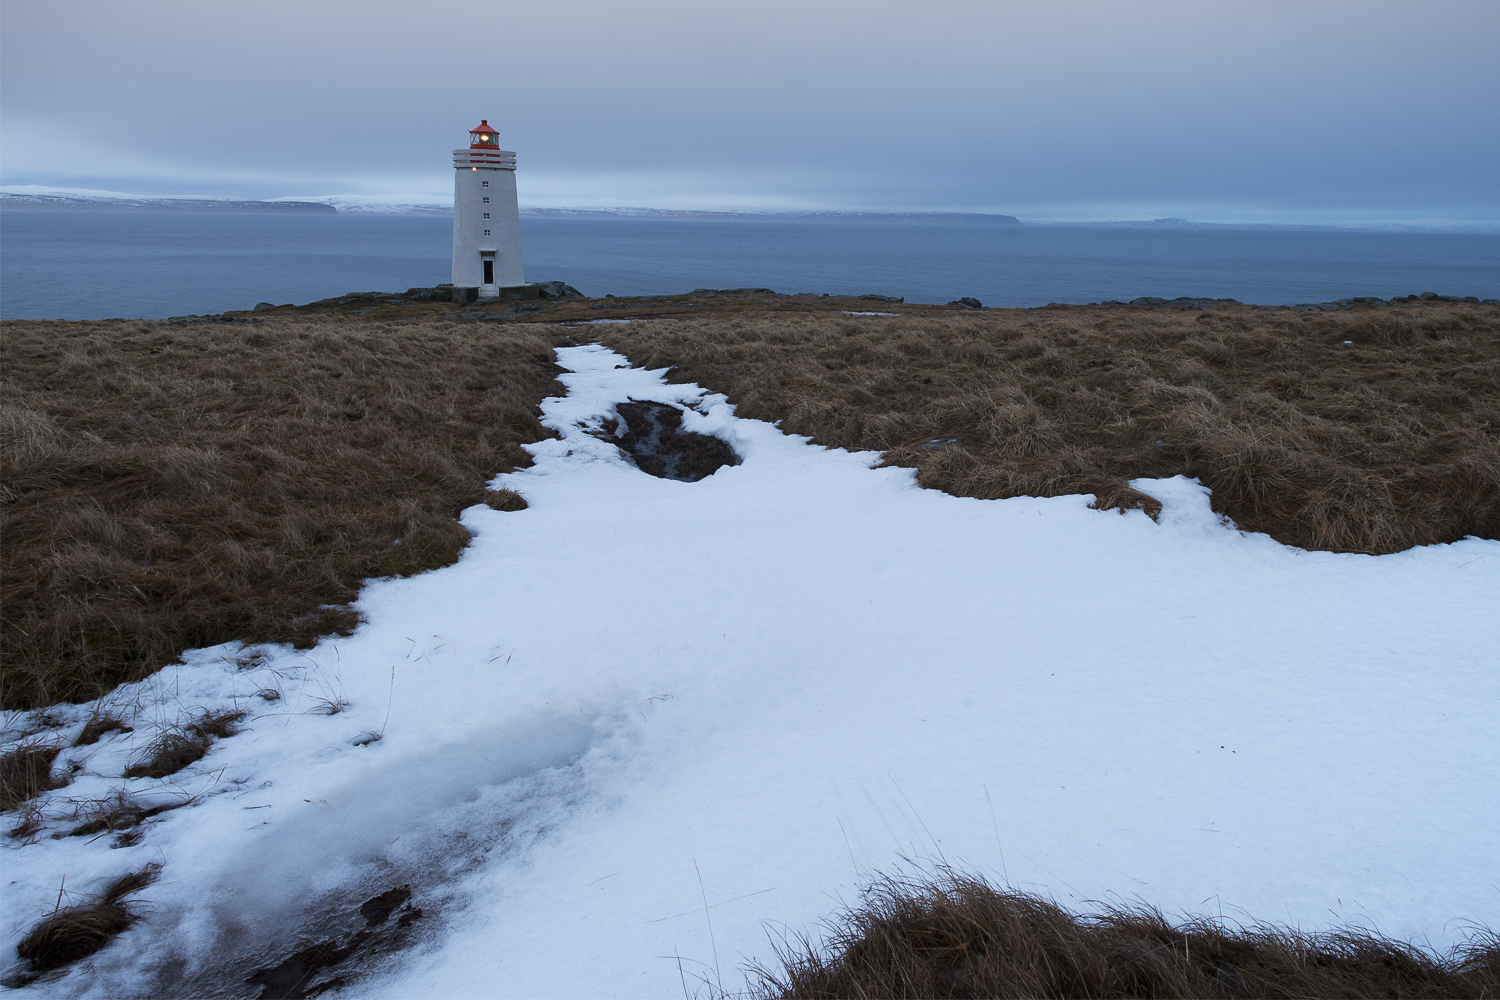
1265, 110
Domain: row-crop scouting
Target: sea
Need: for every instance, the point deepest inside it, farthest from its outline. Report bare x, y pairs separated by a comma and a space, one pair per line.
97, 265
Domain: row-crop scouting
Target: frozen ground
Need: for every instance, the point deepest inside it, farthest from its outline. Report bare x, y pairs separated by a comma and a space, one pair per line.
644, 727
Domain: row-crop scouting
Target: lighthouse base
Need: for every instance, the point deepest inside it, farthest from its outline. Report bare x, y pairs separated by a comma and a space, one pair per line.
491, 293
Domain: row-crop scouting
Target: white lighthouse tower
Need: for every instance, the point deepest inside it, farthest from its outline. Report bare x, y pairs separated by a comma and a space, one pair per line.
486, 221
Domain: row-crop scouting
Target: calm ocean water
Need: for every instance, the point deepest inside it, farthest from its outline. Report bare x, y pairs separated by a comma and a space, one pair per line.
93, 265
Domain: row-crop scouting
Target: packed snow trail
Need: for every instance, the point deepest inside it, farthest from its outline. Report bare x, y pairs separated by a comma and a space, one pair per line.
645, 726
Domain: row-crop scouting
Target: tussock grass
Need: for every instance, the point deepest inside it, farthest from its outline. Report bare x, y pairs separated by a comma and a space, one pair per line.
118, 813
169, 753
76, 932
1389, 441
175, 749
98, 726
958, 936
219, 725
173, 486
26, 772
505, 500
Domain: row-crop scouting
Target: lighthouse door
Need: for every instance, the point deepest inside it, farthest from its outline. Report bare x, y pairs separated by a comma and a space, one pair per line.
489, 271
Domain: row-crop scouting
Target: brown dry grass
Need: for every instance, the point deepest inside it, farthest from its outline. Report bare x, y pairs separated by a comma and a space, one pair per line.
173, 486
176, 748
76, 932
1373, 446
168, 486
957, 936
26, 772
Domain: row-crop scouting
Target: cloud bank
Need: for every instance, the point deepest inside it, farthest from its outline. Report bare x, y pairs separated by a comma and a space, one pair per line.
1240, 111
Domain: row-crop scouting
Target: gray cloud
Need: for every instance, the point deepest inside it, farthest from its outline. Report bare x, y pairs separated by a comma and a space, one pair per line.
1241, 110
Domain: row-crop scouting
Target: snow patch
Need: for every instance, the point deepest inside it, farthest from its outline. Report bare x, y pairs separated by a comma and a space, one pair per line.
641, 703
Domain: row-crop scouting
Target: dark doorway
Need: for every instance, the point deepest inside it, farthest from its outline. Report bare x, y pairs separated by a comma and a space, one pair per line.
489, 272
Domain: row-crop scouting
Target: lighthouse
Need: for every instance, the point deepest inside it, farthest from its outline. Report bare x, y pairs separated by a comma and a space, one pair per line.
486, 221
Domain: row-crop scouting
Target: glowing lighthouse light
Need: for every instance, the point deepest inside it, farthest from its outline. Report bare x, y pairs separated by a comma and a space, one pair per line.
486, 221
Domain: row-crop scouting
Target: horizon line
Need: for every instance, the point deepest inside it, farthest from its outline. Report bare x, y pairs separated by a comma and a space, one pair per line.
415, 203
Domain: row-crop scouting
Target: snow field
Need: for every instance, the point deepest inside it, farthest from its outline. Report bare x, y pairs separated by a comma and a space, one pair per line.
644, 726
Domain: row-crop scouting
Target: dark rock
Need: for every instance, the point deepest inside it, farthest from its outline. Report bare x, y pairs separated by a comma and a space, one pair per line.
881, 298
263, 305
1148, 300
557, 290
967, 302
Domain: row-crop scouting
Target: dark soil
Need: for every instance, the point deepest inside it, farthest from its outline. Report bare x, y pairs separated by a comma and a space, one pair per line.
654, 438
376, 909
297, 976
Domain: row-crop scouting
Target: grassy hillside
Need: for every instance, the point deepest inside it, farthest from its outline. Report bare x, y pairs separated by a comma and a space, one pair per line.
178, 484
172, 486
1367, 430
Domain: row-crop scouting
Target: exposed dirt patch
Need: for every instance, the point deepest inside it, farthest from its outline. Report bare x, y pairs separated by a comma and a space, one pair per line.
652, 435
376, 909
308, 972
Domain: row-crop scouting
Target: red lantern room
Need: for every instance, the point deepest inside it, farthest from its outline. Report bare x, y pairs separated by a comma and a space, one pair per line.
483, 137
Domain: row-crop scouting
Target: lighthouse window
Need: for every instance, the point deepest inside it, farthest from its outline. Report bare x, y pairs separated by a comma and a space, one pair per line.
486, 232
486, 201
484, 183
486, 215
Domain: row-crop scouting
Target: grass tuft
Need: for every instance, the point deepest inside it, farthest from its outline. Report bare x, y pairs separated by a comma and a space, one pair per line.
76, 932
177, 748
958, 936
170, 753
98, 726
220, 725
26, 772
506, 500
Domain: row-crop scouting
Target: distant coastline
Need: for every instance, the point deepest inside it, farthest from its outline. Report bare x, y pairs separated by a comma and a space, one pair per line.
691, 215
84, 203
43, 199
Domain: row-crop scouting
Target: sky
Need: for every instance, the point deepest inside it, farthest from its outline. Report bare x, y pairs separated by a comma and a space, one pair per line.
1270, 111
